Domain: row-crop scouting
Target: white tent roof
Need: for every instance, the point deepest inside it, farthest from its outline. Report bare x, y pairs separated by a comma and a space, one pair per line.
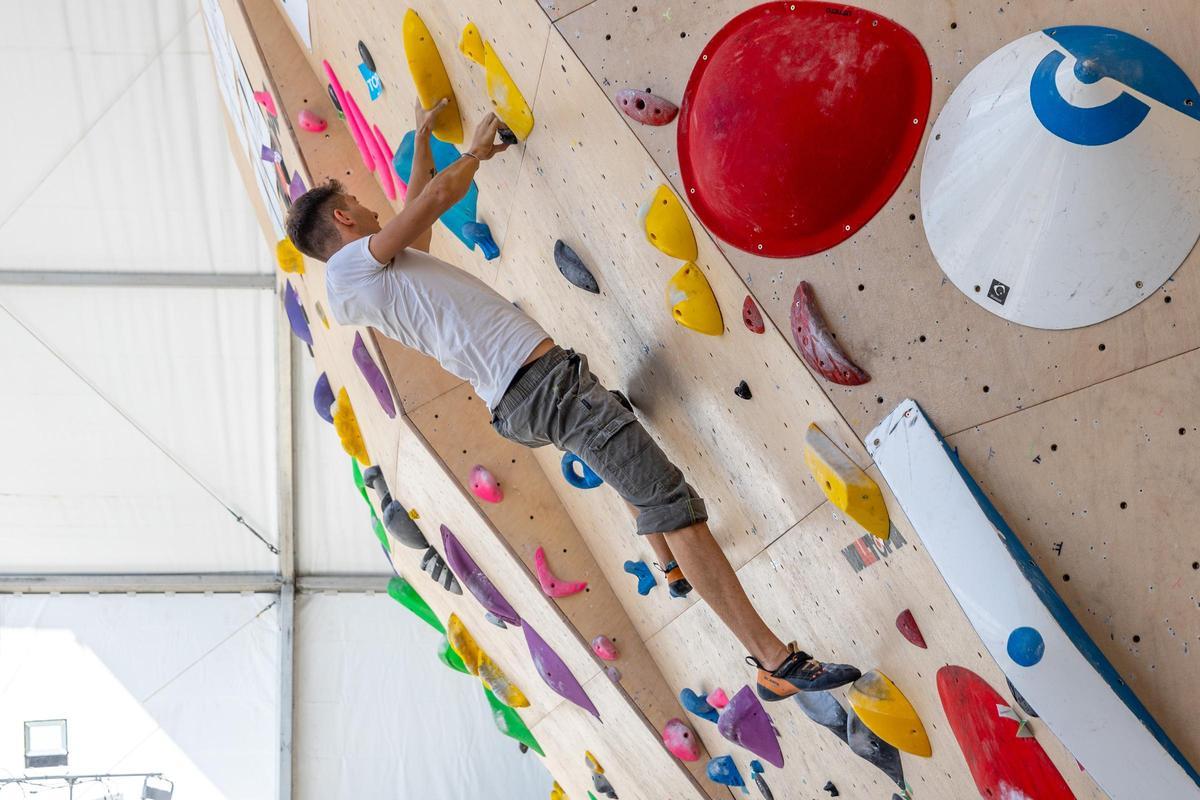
141, 418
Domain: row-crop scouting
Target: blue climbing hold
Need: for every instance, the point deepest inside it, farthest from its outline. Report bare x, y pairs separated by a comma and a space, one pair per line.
444, 154
697, 704
480, 234
645, 577
586, 480
1026, 646
722, 770
756, 767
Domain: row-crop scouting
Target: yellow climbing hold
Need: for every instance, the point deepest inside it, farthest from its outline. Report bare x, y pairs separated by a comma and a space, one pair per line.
885, 710
471, 43
507, 100
592, 762
412, 514
478, 663
667, 226
321, 314
557, 793
429, 74
692, 302
290, 259
346, 425
846, 486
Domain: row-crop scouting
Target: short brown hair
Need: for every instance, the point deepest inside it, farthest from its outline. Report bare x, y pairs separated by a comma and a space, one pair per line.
310, 223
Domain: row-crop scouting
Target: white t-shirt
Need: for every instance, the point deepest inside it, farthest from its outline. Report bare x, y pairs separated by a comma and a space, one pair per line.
437, 308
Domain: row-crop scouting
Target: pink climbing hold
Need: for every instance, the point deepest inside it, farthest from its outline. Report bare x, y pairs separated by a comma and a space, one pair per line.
340, 94
484, 485
389, 154
646, 108
313, 123
752, 316
745, 722
680, 740
551, 585
378, 165
267, 102
906, 623
603, 647
717, 698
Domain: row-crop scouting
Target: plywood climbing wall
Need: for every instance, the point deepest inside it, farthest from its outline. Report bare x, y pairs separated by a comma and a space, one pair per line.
1075, 435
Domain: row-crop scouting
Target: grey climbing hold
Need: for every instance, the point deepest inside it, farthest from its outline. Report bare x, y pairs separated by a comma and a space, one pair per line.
572, 268
867, 745
492, 618
1021, 701
824, 709
395, 516
742, 390
432, 563
756, 774
602, 785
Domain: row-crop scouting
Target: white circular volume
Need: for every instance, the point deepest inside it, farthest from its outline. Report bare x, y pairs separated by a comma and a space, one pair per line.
1062, 183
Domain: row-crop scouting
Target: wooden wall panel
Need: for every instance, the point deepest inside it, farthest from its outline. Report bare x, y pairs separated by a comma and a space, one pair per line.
882, 290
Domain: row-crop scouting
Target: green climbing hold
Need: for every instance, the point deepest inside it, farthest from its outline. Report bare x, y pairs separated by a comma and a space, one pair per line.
510, 723
450, 658
403, 593
358, 481
380, 533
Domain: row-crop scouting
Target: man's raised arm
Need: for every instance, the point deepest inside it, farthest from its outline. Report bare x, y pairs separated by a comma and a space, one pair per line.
433, 197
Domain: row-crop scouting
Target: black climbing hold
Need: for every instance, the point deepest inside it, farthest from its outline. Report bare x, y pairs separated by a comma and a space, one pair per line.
829, 787
333, 97
507, 136
602, 785
524, 748
1021, 701
571, 266
365, 54
742, 390
867, 745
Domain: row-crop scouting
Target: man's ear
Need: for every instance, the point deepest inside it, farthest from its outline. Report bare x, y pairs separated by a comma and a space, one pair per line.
342, 217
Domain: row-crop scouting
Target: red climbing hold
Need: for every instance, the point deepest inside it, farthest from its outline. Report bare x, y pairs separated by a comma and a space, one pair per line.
752, 316
646, 108
1002, 764
818, 347
798, 123
907, 625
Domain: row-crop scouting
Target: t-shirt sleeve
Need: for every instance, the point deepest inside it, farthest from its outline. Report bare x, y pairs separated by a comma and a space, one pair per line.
354, 262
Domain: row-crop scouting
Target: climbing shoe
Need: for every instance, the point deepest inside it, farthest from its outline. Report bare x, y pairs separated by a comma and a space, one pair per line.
676, 583
800, 672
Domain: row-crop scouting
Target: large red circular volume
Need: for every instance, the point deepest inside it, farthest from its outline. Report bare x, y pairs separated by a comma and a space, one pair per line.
798, 122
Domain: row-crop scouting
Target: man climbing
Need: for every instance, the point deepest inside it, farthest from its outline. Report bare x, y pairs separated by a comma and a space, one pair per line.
538, 393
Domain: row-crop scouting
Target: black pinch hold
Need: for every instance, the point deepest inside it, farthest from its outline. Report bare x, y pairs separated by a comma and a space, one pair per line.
571, 266
365, 54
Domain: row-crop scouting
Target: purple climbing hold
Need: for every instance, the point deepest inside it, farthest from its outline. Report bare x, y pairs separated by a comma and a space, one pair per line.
745, 722
323, 398
373, 375
555, 672
477, 583
297, 319
296, 187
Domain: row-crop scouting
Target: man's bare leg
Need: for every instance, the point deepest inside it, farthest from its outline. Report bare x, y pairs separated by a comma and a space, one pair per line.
662, 550
711, 574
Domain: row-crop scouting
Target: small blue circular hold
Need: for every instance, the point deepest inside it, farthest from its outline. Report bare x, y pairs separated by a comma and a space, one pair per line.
586, 480
1026, 646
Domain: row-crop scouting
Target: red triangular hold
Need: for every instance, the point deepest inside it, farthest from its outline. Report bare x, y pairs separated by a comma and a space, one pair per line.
907, 625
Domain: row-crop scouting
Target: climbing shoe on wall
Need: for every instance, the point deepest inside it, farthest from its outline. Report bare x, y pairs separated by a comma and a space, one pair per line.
800, 672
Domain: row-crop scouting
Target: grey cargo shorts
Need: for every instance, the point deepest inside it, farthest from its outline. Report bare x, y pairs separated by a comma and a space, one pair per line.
558, 401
